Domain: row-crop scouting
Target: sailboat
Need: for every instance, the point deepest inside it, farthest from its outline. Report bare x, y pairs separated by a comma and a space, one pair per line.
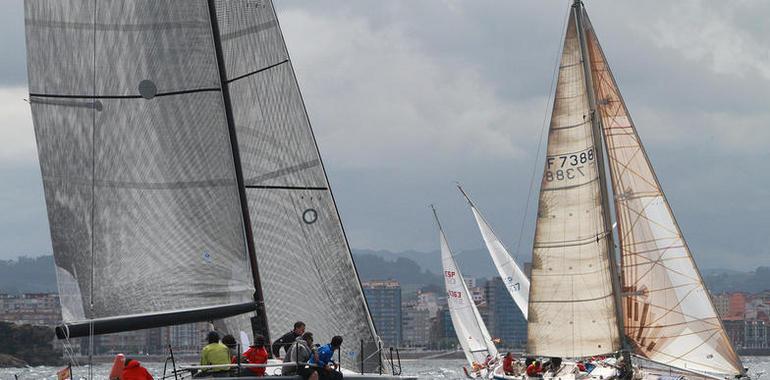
652, 308
471, 331
516, 282
182, 179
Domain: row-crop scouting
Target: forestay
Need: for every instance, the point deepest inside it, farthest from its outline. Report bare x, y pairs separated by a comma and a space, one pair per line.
571, 302
669, 316
306, 269
470, 329
135, 155
513, 277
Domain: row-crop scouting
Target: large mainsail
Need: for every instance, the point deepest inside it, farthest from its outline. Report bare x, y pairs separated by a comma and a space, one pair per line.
572, 310
306, 269
466, 319
137, 106
669, 316
513, 277
136, 158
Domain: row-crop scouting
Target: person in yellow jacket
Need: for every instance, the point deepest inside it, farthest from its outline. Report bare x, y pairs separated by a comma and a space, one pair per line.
215, 353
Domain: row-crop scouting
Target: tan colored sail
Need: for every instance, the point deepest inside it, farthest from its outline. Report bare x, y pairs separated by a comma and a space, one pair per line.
669, 316
571, 304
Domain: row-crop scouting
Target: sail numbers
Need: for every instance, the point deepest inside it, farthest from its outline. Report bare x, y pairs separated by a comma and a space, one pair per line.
450, 276
454, 294
568, 166
515, 286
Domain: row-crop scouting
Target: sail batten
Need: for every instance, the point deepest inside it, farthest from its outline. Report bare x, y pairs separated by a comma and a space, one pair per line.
571, 302
669, 314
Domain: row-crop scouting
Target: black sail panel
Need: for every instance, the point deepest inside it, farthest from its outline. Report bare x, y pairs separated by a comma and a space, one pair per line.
134, 150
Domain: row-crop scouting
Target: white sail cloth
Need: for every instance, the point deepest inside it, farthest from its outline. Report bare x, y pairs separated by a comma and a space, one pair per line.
571, 302
513, 277
669, 315
469, 327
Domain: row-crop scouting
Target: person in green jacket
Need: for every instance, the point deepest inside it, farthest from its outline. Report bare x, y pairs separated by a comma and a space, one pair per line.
215, 353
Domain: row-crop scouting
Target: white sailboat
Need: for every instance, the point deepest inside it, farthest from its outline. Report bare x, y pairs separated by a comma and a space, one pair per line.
182, 178
471, 331
653, 308
513, 277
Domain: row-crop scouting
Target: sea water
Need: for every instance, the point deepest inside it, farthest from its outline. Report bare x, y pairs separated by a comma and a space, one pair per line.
425, 369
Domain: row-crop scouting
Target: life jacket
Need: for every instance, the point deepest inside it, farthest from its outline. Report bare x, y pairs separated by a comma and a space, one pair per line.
117, 367
134, 371
508, 364
256, 356
533, 370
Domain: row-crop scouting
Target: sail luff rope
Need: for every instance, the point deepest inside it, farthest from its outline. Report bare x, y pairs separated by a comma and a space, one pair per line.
551, 91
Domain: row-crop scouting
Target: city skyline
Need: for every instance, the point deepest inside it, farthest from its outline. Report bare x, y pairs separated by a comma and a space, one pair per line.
403, 108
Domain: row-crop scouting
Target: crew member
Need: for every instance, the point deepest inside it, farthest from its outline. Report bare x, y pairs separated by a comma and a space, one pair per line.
287, 339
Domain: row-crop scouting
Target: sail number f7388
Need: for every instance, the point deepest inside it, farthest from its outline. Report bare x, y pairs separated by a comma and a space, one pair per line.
568, 166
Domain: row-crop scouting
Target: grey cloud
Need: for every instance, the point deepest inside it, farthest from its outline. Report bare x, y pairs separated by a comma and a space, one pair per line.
715, 182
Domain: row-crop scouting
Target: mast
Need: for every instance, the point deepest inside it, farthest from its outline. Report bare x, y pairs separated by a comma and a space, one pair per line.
597, 136
259, 323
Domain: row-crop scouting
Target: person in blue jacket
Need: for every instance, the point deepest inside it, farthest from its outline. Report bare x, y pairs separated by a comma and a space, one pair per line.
327, 368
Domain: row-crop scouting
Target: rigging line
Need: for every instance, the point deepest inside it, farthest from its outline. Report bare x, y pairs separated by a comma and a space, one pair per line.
540, 138
93, 205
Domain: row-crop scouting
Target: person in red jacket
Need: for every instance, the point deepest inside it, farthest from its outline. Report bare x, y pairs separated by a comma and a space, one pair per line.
257, 354
508, 364
535, 369
133, 370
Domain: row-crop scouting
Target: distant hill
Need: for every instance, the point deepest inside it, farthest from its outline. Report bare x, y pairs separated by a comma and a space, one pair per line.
28, 275
472, 263
731, 281
406, 271
411, 268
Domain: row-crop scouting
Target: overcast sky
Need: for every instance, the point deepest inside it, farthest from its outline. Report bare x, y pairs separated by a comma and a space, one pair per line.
407, 97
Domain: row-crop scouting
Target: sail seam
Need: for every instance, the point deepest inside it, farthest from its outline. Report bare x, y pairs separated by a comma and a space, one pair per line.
574, 300
573, 152
250, 30
573, 243
104, 27
569, 126
572, 186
